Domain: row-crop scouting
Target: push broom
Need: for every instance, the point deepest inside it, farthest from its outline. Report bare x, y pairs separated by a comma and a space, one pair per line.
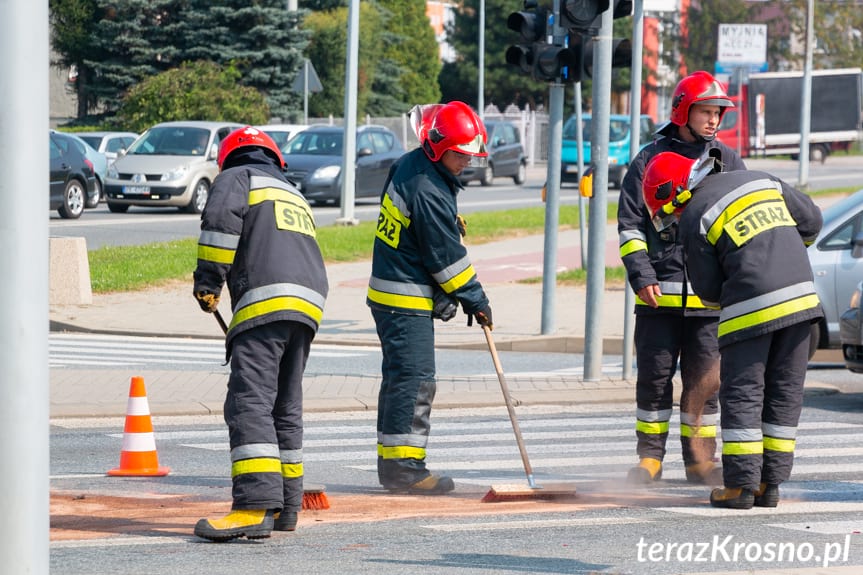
516, 492
314, 498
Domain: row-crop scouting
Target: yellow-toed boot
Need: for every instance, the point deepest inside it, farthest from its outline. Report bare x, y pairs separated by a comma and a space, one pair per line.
732, 498
704, 473
249, 523
767, 495
647, 471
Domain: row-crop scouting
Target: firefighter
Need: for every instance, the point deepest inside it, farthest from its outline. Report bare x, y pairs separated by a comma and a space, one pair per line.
671, 324
421, 271
258, 234
744, 235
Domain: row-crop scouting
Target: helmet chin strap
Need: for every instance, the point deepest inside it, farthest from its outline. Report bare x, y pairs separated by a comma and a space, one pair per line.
699, 139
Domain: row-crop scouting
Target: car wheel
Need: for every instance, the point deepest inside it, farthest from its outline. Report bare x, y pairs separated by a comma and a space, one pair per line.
817, 154
199, 197
74, 198
487, 176
97, 195
118, 208
814, 336
520, 176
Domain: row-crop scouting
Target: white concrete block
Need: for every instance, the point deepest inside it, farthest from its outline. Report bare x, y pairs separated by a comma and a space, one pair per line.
69, 272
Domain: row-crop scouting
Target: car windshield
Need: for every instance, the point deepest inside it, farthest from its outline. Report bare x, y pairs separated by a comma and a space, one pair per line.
172, 141
617, 130
315, 143
93, 141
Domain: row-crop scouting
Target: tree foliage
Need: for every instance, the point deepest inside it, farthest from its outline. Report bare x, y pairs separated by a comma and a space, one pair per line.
193, 91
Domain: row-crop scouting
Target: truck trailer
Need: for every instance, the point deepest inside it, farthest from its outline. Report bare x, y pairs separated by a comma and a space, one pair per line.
766, 117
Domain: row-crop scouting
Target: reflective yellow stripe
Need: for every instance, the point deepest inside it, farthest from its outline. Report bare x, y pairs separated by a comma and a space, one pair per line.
693, 301
459, 280
394, 212
735, 208
742, 448
257, 465
767, 314
402, 452
633, 246
292, 469
783, 445
401, 301
664, 301
218, 255
263, 194
285, 303
651, 428
703, 431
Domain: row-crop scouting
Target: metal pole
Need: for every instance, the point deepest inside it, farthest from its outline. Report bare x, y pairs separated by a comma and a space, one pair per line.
552, 206
480, 97
349, 160
24, 391
582, 201
635, 139
806, 104
306, 92
599, 201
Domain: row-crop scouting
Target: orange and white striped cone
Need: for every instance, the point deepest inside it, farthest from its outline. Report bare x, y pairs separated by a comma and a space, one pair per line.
138, 455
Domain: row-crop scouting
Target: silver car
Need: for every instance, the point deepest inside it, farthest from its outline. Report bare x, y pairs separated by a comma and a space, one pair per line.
171, 164
836, 257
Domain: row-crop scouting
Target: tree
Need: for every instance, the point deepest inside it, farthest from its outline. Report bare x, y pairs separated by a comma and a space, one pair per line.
71, 23
192, 91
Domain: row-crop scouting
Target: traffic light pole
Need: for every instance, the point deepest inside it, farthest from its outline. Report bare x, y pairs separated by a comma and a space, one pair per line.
635, 122
582, 201
599, 202
552, 206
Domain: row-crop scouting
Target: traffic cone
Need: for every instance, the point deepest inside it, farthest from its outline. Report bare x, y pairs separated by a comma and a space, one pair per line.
138, 455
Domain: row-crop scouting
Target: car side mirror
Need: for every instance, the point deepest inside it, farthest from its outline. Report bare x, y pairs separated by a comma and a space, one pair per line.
857, 246
364, 152
214, 152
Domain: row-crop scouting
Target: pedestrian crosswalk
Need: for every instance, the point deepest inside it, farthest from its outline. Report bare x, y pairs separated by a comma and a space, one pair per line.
481, 450
82, 350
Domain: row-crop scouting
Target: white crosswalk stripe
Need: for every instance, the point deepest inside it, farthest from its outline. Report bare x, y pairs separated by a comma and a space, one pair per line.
114, 351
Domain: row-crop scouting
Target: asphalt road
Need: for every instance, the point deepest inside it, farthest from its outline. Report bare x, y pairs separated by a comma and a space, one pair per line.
147, 225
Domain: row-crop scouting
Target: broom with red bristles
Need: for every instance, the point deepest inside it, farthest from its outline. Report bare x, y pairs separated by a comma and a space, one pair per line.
517, 492
314, 498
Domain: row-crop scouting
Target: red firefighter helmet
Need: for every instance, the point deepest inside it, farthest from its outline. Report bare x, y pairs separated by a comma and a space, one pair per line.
455, 127
249, 136
665, 187
697, 88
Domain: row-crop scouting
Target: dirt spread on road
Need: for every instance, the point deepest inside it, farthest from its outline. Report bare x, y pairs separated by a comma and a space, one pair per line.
82, 516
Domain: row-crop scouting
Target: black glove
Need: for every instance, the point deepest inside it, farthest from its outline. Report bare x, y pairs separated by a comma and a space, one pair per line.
208, 301
444, 307
483, 318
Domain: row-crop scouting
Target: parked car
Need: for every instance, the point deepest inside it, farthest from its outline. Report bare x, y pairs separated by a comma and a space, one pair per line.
505, 156
314, 158
100, 168
619, 135
836, 257
72, 180
112, 144
171, 164
851, 328
281, 133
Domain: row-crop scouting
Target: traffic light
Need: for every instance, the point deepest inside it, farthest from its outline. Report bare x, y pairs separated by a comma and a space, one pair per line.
531, 25
552, 62
582, 53
584, 16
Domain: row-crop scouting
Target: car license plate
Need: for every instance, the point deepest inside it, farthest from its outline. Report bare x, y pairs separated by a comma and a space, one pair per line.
136, 190
572, 168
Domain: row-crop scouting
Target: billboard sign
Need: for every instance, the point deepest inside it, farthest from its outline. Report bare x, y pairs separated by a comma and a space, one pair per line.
742, 44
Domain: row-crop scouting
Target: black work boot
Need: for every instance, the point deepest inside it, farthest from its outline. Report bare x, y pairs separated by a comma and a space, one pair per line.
285, 521
767, 495
647, 471
704, 473
432, 485
249, 523
732, 498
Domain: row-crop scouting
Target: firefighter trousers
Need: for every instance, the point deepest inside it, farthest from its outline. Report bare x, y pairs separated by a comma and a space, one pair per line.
264, 413
405, 397
761, 397
661, 341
